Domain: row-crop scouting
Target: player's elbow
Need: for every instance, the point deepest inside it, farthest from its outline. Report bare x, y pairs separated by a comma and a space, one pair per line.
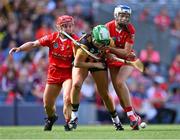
35, 43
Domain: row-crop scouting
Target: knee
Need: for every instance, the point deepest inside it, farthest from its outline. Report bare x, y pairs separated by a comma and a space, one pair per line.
77, 86
120, 82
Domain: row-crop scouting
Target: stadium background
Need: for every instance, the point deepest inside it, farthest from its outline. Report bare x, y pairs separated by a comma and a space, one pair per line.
155, 94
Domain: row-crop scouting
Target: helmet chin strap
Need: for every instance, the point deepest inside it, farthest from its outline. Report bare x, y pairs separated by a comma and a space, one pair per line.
121, 25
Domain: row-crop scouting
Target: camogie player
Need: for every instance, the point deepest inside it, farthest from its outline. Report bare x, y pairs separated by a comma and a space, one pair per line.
59, 69
123, 33
83, 64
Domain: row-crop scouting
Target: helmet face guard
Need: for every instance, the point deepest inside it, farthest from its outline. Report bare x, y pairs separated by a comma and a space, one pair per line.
122, 14
100, 35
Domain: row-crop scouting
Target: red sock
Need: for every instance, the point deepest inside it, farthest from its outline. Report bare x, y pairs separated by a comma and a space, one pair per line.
67, 120
130, 112
128, 109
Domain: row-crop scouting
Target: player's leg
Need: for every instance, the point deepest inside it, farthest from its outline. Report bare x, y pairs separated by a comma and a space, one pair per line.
119, 77
50, 94
102, 86
119, 84
67, 84
78, 77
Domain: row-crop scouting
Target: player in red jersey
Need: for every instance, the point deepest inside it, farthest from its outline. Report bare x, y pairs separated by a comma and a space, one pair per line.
123, 33
59, 69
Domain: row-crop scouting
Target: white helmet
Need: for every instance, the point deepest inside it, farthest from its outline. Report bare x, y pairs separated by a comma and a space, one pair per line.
122, 9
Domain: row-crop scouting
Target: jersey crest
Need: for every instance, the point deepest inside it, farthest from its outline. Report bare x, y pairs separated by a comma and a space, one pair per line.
55, 45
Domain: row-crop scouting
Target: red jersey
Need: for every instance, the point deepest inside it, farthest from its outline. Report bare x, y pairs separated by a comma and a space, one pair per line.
60, 50
120, 38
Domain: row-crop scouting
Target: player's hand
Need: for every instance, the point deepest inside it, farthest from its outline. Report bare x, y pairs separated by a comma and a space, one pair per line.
131, 56
105, 49
13, 50
99, 65
111, 56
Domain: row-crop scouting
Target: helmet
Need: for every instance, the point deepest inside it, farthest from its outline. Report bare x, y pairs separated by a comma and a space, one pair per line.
100, 35
64, 19
122, 9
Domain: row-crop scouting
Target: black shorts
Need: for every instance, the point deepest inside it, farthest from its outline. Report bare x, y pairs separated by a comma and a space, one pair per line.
96, 69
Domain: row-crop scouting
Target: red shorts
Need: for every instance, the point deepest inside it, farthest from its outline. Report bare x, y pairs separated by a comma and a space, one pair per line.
58, 75
111, 64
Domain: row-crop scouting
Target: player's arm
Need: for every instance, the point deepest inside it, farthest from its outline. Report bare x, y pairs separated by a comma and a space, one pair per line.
122, 53
76, 47
113, 53
26, 47
127, 51
80, 60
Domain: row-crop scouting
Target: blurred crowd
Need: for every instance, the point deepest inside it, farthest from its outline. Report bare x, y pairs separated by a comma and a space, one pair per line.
23, 75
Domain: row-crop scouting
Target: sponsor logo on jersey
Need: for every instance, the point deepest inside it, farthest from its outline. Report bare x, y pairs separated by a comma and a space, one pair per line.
62, 56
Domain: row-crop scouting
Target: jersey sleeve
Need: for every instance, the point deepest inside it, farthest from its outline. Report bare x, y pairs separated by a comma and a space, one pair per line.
74, 47
130, 38
84, 41
48, 39
75, 37
80, 51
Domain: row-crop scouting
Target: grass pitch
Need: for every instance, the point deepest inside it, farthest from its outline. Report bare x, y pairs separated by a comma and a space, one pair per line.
91, 132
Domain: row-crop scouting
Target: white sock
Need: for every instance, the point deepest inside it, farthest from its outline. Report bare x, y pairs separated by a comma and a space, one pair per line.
130, 113
115, 120
74, 115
